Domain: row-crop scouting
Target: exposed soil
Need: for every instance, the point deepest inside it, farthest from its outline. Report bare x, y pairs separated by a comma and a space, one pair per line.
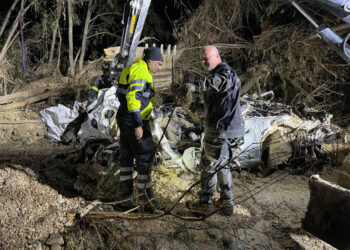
37, 198
43, 184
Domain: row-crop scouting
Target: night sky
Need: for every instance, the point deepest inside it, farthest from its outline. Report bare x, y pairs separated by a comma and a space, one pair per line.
4, 6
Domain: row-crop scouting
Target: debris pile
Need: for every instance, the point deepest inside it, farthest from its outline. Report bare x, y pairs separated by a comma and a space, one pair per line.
275, 135
94, 131
344, 174
272, 47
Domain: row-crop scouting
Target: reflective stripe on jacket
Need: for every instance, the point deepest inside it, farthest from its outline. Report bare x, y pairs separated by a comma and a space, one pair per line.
101, 83
136, 93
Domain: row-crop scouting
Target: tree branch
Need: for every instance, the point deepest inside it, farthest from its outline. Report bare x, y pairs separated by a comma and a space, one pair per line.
6, 19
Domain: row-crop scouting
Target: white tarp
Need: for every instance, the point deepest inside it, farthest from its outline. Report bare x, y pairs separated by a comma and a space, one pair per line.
57, 119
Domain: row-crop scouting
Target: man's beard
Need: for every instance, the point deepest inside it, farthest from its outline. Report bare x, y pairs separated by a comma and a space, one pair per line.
207, 67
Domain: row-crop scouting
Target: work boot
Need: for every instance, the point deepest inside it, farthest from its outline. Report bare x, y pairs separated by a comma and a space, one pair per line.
226, 208
199, 208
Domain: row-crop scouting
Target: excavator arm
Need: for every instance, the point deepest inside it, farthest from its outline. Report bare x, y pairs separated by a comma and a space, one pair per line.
339, 8
135, 12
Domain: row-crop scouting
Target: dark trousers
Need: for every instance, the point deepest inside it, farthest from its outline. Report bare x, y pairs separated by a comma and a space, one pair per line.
142, 151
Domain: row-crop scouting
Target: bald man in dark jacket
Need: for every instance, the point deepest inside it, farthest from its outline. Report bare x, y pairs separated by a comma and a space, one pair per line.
223, 126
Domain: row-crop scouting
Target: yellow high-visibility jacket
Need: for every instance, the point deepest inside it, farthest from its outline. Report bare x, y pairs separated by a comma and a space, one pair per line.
136, 93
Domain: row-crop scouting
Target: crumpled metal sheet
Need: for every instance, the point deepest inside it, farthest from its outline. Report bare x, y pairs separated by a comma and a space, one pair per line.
170, 157
249, 153
57, 119
284, 132
191, 159
97, 125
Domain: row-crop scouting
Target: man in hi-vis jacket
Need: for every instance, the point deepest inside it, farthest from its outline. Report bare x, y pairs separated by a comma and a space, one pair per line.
223, 126
136, 93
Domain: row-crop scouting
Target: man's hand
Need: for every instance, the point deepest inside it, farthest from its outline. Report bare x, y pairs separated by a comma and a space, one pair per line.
186, 90
138, 133
190, 87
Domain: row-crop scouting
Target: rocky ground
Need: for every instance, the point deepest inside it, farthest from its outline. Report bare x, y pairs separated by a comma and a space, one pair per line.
38, 199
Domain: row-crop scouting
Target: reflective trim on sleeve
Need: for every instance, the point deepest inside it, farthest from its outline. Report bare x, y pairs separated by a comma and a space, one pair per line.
142, 185
95, 88
125, 169
134, 110
138, 81
146, 112
132, 88
143, 177
146, 94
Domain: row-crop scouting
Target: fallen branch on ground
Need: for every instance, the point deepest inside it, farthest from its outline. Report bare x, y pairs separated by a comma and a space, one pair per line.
36, 98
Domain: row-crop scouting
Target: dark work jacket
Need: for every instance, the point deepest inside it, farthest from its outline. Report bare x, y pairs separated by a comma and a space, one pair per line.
100, 83
222, 109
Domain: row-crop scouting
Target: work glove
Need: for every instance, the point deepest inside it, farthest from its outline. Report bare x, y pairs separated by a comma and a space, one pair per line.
189, 88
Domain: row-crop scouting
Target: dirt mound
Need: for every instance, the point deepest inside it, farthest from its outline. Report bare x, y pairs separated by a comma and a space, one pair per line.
29, 210
20, 126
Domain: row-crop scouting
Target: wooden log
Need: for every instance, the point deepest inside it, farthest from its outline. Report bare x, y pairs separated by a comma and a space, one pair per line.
36, 98
20, 96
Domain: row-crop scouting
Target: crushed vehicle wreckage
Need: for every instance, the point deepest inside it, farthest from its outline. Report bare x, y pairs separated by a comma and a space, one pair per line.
275, 134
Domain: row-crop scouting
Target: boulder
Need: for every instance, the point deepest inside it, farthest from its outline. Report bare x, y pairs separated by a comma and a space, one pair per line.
327, 215
55, 239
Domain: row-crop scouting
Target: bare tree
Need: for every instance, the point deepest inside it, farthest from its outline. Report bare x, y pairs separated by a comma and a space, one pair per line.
85, 36
11, 36
59, 4
59, 51
70, 38
7, 17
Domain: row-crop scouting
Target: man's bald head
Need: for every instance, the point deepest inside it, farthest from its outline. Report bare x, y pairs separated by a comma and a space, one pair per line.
210, 57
